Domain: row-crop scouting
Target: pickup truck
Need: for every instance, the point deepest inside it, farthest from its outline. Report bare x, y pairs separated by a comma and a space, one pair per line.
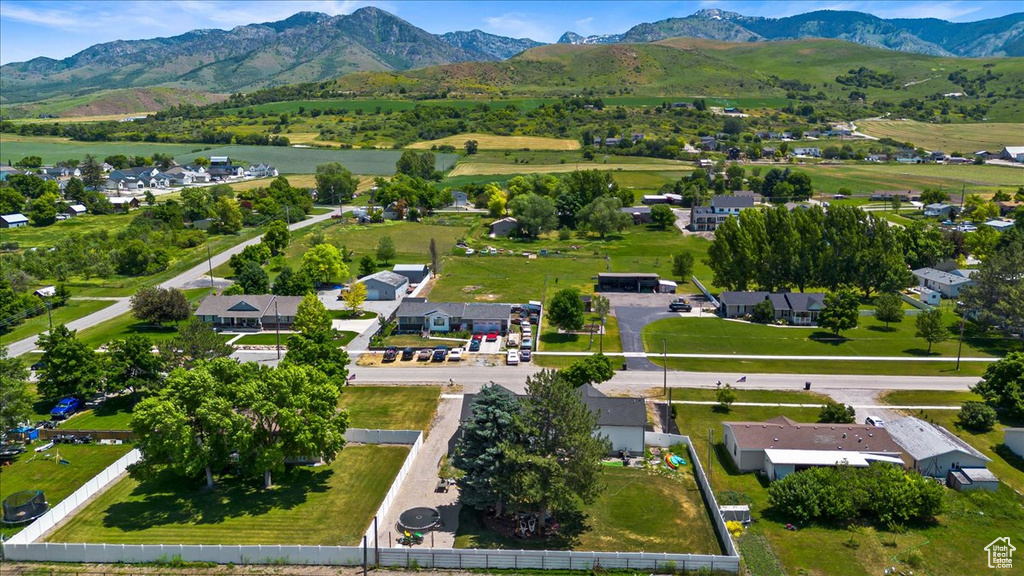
680, 305
65, 408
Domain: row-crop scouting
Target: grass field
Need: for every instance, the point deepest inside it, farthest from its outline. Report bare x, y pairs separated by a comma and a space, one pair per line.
718, 336
761, 396
629, 516
390, 407
963, 138
811, 367
496, 168
928, 398
951, 545
32, 471
866, 178
73, 310
551, 341
29, 236
114, 414
491, 142
329, 505
305, 160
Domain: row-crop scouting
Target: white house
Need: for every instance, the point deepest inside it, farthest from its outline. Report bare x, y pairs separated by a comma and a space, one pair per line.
1014, 153
807, 152
932, 450
949, 284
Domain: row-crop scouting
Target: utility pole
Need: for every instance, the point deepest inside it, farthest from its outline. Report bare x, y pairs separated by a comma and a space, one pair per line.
664, 364
209, 260
277, 328
960, 345
50, 316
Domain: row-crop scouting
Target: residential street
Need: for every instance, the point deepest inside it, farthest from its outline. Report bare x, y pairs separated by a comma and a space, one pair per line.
122, 305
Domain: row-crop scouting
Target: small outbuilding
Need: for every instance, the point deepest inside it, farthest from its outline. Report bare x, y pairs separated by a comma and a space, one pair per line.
1014, 440
76, 210
648, 282
416, 273
963, 479
385, 285
504, 227
16, 220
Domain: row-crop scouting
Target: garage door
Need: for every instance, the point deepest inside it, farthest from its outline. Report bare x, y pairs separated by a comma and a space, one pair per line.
373, 294
480, 326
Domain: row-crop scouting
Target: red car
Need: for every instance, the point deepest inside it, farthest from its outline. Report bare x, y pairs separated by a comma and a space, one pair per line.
478, 336
492, 336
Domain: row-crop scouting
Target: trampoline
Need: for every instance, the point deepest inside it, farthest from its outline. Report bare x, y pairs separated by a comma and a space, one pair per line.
419, 519
25, 506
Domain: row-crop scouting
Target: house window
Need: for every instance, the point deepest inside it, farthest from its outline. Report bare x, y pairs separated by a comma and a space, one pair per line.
733, 449
438, 321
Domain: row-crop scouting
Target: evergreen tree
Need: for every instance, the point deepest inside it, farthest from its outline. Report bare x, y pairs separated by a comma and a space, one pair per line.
480, 452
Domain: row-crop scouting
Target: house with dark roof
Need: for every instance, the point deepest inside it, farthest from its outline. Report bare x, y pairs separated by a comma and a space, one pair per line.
949, 284
249, 311
385, 285
639, 214
781, 446
420, 315
416, 273
640, 282
796, 308
931, 449
621, 420
124, 203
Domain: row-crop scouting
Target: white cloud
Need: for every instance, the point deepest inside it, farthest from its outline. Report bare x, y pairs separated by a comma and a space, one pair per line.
519, 26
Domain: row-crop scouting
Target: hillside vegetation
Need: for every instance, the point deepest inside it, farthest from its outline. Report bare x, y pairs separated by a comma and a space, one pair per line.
122, 102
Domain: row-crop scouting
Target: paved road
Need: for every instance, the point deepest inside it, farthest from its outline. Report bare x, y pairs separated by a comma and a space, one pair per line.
121, 306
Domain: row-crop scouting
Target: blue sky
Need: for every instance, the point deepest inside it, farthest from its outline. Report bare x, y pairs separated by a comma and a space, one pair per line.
59, 29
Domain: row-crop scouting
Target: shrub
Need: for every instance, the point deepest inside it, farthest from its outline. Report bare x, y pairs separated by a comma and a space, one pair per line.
977, 416
763, 313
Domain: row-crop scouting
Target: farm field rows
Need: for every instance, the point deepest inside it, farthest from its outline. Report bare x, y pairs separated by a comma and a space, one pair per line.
963, 138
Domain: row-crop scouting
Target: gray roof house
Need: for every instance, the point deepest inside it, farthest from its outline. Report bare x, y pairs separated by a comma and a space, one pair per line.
420, 315
416, 273
504, 227
949, 284
249, 311
796, 308
16, 220
639, 214
932, 450
723, 206
619, 419
938, 210
76, 210
385, 285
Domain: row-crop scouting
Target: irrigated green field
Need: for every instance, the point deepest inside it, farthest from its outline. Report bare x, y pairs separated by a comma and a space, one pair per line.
963, 138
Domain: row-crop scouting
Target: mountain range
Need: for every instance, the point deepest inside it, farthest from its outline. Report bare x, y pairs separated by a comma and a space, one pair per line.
313, 47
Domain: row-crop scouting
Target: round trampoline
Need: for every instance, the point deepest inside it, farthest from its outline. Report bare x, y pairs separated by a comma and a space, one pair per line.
24, 506
419, 519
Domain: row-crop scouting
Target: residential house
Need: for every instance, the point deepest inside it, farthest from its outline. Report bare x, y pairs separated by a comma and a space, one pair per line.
807, 152
708, 143
1013, 438
958, 160
220, 161
939, 210
1000, 225
262, 171
1013, 153
705, 163
420, 315
932, 450
707, 218
937, 156
124, 203
636, 137
225, 172
62, 172
640, 214
187, 175
460, 199
620, 420
1007, 208
416, 273
640, 282
76, 210
249, 311
504, 227
903, 195
949, 284
385, 285
684, 105
122, 182
781, 446
796, 308
768, 152
16, 220
6, 171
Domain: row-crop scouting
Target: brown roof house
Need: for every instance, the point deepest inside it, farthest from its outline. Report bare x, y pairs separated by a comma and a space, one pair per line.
249, 311
781, 446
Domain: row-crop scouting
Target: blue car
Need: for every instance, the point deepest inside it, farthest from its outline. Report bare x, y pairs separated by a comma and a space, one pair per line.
65, 408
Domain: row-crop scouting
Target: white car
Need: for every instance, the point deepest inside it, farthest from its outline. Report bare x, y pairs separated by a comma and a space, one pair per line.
512, 358
874, 421
455, 355
470, 251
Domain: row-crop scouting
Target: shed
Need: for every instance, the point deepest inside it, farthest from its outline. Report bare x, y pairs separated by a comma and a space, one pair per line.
1000, 225
932, 450
739, 513
385, 285
929, 296
416, 273
46, 292
504, 227
628, 282
76, 210
1014, 440
972, 479
16, 220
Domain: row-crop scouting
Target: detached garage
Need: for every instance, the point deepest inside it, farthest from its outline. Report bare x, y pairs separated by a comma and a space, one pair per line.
385, 285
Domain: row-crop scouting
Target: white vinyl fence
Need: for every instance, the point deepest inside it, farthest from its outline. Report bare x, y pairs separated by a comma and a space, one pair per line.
396, 486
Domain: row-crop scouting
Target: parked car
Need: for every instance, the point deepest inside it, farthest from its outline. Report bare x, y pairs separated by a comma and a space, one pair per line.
424, 354
512, 358
390, 354
440, 353
38, 366
470, 251
492, 336
525, 355
478, 336
65, 408
9, 451
455, 355
408, 353
512, 340
474, 345
680, 305
874, 421
527, 343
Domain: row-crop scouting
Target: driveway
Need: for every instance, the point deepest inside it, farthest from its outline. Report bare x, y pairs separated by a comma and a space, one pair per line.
633, 312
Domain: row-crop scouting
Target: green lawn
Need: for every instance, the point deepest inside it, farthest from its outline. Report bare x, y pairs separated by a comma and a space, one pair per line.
952, 545
772, 396
263, 339
114, 414
639, 511
417, 341
123, 325
329, 505
717, 336
928, 398
889, 368
32, 471
72, 310
29, 236
552, 341
390, 407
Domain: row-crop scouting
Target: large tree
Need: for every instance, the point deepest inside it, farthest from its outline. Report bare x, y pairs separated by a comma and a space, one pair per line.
291, 283
536, 214
997, 296
480, 453
276, 237
92, 172
931, 327
604, 215
588, 370
291, 411
837, 413
566, 310
132, 365
190, 426
314, 343
662, 216
324, 264
159, 305
889, 308
386, 249
842, 311
254, 279
1002, 385
354, 297
196, 341
70, 367
15, 393
682, 265
335, 184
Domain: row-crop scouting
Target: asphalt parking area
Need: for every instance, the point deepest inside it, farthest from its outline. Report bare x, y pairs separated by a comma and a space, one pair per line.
634, 311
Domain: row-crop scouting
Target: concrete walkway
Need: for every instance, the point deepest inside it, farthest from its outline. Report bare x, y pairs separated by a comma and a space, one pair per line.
418, 488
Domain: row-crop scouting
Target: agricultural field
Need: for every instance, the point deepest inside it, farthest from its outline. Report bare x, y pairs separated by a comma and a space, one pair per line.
42, 471
328, 505
305, 160
53, 150
490, 142
45, 236
963, 138
953, 544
